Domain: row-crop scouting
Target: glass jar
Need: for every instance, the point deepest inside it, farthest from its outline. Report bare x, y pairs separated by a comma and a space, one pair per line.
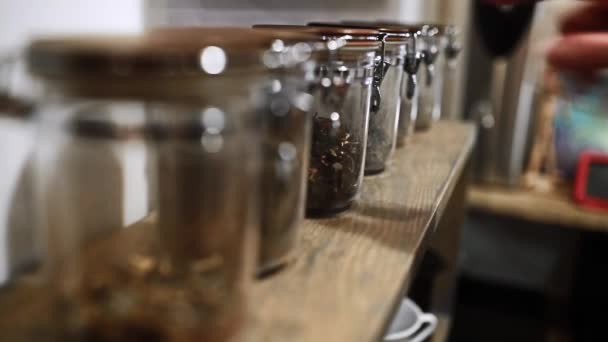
439, 48
430, 77
408, 111
385, 107
451, 47
285, 111
340, 129
196, 101
341, 89
386, 94
282, 105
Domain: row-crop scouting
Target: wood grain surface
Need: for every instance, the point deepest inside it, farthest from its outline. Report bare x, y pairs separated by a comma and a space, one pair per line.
552, 208
351, 270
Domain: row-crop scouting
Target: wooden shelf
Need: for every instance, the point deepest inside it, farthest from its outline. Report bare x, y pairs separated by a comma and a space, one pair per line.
552, 208
351, 271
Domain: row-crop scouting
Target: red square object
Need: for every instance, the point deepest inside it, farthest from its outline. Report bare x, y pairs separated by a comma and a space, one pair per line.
581, 182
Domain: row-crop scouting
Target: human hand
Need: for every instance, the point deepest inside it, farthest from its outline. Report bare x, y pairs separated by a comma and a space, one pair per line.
583, 46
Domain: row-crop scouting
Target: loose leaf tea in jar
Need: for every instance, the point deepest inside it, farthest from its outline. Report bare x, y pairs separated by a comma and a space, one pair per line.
334, 170
386, 93
341, 90
342, 93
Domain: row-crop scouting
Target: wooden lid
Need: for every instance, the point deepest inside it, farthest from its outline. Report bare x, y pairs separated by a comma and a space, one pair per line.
365, 37
167, 52
236, 37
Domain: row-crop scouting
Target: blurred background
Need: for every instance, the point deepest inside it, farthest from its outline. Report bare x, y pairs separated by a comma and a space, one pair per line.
532, 264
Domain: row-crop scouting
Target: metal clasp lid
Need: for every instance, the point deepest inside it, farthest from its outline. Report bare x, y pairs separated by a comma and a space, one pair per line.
430, 52
411, 67
453, 47
380, 69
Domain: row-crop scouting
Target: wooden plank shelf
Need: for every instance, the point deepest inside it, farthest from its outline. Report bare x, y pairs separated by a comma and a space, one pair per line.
555, 208
351, 271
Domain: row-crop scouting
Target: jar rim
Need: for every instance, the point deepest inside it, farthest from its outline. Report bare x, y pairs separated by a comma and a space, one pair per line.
390, 31
353, 36
424, 27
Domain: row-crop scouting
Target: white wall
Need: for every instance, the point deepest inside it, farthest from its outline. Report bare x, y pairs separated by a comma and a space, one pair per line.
22, 19
248, 12
19, 22
14, 145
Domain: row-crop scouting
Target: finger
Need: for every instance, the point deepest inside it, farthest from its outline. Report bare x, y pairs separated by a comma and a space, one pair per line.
580, 52
589, 18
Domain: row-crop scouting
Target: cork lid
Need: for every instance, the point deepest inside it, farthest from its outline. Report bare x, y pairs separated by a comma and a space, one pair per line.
168, 52
363, 37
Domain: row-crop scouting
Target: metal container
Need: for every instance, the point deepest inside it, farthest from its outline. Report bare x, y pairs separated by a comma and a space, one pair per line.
198, 102
496, 70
